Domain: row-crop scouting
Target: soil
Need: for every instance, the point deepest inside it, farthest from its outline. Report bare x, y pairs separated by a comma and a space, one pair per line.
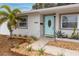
24, 51
6, 44
65, 44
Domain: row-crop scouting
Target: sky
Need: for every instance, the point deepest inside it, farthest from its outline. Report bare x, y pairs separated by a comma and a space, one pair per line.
21, 6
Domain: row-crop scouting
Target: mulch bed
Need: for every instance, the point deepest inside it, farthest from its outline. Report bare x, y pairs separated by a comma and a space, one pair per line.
6, 44
65, 44
22, 49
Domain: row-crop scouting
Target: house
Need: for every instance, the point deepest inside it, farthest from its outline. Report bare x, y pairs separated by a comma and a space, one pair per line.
47, 21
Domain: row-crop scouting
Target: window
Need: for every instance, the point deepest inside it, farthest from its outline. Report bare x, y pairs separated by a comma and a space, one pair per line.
69, 21
23, 22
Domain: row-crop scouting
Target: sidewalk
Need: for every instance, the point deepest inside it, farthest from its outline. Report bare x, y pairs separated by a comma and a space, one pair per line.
39, 44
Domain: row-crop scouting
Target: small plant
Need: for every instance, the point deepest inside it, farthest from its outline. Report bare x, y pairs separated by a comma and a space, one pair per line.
34, 38
29, 48
75, 35
25, 36
20, 35
61, 35
14, 35
17, 46
74, 31
41, 51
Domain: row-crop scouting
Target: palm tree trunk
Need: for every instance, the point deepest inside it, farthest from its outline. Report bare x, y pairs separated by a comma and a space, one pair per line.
11, 34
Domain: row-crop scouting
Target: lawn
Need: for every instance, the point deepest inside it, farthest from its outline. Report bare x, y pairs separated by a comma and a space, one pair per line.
64, 44
6, 44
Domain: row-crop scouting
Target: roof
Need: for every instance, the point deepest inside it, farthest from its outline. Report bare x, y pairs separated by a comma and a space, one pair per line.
53, 8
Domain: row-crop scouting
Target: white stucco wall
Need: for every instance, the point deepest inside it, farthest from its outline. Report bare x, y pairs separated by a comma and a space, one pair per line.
4, 30
33, 26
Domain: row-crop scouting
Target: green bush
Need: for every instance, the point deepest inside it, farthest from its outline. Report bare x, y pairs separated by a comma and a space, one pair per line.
41, 51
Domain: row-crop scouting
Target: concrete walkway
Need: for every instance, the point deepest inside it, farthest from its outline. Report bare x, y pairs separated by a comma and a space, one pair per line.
60, 51
39, 44
52, 49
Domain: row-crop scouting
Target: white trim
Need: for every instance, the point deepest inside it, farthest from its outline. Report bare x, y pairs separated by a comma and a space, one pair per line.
78, 22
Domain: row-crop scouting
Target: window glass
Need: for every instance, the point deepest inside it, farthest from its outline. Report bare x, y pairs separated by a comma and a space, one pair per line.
23, 22
69, 21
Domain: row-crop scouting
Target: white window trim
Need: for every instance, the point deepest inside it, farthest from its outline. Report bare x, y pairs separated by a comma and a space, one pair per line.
70, 14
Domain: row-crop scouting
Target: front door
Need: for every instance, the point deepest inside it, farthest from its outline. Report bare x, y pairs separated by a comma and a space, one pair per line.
49, 27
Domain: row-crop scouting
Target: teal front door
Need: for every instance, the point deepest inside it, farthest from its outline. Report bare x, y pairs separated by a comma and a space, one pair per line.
49, 27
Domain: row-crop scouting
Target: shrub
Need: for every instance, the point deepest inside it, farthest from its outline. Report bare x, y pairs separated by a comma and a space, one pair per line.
74, 31
77, 36
34, 38
74, 35
29, 48
41, 51
59, 34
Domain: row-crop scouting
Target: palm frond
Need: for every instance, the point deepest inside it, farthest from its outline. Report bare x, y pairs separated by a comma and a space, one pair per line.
3, 13
6, 7
18, 18
15, 11
11, 17
2, 20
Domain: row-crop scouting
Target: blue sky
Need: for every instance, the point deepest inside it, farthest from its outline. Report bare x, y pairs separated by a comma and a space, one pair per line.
21, 6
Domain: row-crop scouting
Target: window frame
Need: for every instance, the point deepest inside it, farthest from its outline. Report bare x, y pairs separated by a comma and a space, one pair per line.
24, 27
62, 19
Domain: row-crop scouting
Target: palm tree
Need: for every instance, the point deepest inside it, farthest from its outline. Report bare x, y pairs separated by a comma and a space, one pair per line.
9, 16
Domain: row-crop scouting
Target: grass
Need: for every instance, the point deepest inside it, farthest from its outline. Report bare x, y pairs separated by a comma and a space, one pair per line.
65, 44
